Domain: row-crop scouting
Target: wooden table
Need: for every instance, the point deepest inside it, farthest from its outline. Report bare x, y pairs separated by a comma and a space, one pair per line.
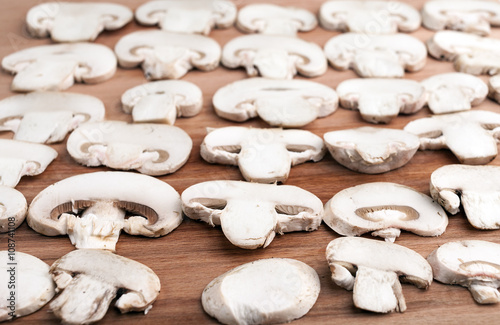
191, 256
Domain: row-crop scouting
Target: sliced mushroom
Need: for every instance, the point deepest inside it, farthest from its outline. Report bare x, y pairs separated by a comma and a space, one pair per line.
47, 117
374, 269
93, 208
58, 66
263, 155
251, 214
494, 88
266, 291
283, 103
90, 279
471, 136
273, 56
13, 208
165, 55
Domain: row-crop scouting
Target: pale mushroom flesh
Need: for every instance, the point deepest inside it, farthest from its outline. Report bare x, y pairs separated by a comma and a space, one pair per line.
13, 208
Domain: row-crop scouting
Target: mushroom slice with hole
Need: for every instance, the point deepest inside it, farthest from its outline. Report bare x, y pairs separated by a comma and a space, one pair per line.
472, 136
165, 55
250, 214
274, 56
152, 149
13, 208
263, 155
265, 291
47, 117
374, 269
93, 208
494, 88
88, 280
283, 103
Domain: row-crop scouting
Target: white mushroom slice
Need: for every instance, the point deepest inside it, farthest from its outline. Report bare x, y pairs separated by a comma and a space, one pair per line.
384, 56
474, 264
471, 136
162, 101
384, 208
273, 56
165, 55
13, 208
371, 269
266, 291
76, 22
263, 155
284, 103
47, 117
371, 150
58, 66
494, 88
381, 100
93, 208
26, 284
90, 279
193, 16
251, 214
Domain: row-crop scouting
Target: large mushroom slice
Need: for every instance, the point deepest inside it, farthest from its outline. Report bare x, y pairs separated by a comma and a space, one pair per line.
152, 149
13, 208
274, 56
251, 214
58, 66
93, 208
166, 55
263, 155
374, 269
283, 103
47, 117
471, 136
90, 279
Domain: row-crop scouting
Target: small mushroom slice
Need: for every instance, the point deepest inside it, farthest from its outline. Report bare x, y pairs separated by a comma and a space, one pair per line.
90, 279
165, 55
263, 155
93, 208
251, 214
374, 269
494, 88
266, 291
13, 208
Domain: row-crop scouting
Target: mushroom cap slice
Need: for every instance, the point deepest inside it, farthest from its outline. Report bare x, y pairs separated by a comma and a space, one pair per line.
266, 291
58, 66
371, 269
274, 56
384, 208
250, 214
165, 55
283, 103
494, 88
152, 149
371, 150
13, 208
76, 22
91, 279
263, 155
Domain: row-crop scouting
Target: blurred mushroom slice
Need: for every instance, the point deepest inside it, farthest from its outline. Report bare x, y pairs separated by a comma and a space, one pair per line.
273, 56
494, 88
165, 55
251, 214
89, 280
263, 155
374, 269
371, 150
284, 103
266, 291
472, 136
47, 117
13, 208
93, 208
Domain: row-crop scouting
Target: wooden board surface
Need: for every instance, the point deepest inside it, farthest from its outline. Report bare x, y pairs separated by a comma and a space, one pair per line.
190, 257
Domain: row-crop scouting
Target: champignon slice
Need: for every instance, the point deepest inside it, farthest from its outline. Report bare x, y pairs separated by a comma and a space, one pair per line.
471, 136
374, 269
494, 88
13, 208
266, 291
273, 56
263, 155
165, 55
90, 279
93, 208
250, 214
